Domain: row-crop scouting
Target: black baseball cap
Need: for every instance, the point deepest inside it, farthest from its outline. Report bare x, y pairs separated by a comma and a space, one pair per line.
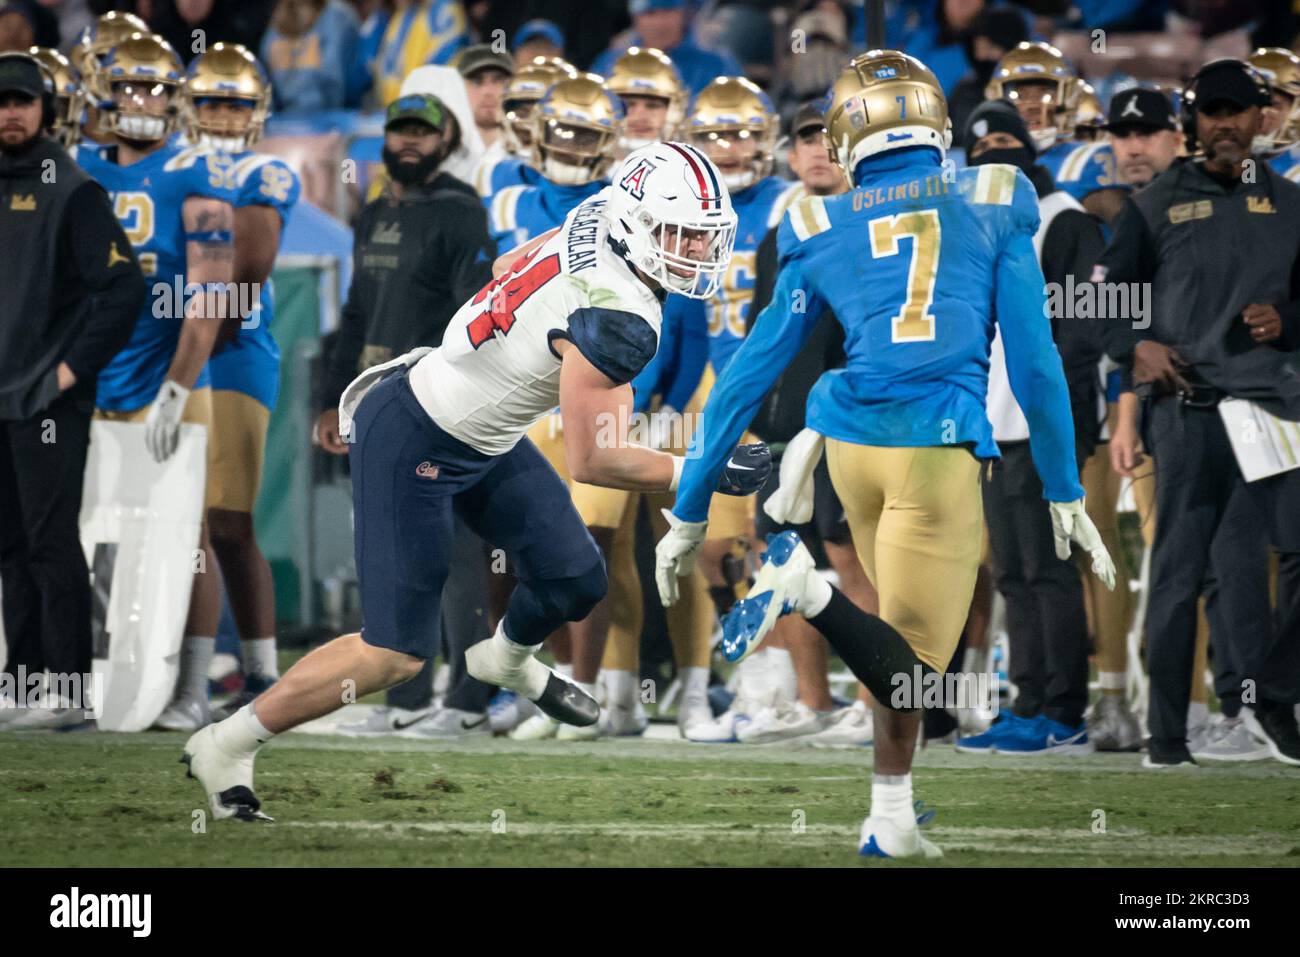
20, 73
1229, 81
1140, 108
481, 56
810, 114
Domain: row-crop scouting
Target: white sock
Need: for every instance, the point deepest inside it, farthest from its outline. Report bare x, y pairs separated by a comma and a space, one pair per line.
521, 657
590, 688
891, 796
816, 595
620, 688
1198, 712
259, 657
781, 671
196, 655
1112, 681
242, 732
754, 682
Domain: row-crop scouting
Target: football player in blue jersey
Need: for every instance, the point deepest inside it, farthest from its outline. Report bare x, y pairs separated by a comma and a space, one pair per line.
915, 267
1281, 129
175, 203
1045, 89
225, 102
513, 165
734, 123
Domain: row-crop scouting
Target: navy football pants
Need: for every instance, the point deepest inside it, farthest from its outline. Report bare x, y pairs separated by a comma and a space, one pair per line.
408, 476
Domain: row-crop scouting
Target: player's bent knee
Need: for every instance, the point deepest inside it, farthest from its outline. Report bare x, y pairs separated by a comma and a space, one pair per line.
574, 598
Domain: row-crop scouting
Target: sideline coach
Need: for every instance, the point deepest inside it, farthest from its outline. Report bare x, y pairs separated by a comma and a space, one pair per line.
71, 290
1217, 237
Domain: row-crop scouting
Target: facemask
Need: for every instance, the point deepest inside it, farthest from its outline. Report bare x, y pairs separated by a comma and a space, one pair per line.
1020, 156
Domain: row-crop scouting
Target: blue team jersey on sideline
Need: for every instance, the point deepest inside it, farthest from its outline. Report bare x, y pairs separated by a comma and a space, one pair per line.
758, 209
915, 269
251, 363
1287, 163
516, 214
147, 198
1082, 168
507, 171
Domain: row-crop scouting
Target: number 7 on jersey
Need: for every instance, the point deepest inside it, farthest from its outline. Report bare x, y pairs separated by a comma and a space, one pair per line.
914, 322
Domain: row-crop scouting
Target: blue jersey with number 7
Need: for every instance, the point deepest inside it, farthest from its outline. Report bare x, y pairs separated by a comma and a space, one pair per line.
917, 264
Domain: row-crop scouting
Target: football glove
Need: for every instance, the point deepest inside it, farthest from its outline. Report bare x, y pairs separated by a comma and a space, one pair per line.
162, 426
676, 553
792, 502
747, 470
1070, 523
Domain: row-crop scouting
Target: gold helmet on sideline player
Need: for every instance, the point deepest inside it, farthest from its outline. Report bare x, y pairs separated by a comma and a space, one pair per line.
736, 126
69, 98
885, 100
143, 76
226, 99
644, 73
1031, 66
576, 127
525, 89
87, 55
1281, 68
1089, 116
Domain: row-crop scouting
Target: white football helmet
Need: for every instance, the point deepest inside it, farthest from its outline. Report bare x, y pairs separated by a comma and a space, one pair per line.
671, 214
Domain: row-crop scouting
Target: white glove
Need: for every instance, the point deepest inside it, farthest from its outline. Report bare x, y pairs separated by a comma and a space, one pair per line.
676, 553
661, 427
792, 502
1071, 523
162, 426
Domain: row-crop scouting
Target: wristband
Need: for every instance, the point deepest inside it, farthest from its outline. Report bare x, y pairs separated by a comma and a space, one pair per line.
679, 463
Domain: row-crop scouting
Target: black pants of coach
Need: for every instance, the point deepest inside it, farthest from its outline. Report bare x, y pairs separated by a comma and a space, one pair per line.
1044, 595
1196, 481
42, 567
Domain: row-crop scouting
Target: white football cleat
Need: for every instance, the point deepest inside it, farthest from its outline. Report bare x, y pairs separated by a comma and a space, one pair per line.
570, 732
883, 837
776, 591
537, 728
846, 728
226, 780
45, 719
185, 714
723, 728
383, 719
787, 722
445, 723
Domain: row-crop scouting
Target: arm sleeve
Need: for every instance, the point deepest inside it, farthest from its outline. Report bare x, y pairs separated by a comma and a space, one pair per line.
90, 234
1034, 368
341, 367
776, 339
692, 354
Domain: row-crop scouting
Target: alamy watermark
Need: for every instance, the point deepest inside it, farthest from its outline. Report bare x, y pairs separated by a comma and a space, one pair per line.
221, 300
41, 690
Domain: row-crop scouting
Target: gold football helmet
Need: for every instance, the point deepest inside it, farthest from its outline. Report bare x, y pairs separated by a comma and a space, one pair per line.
1089, 117
69, 98
227, 74
1050, 115
645, 71
525, 89
576, 126
1281, 68
142, 75
733, 122
885, 100
96, 40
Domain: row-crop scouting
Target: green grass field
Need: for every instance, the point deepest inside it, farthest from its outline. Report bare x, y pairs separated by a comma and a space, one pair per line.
114, 799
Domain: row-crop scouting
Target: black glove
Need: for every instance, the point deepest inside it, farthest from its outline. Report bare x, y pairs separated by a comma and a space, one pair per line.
747, 470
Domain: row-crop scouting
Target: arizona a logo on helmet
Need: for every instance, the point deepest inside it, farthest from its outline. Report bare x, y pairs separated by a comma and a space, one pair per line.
634, 181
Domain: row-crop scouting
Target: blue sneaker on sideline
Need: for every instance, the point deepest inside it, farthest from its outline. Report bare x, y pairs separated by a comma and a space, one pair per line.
1003, 726
1042, 735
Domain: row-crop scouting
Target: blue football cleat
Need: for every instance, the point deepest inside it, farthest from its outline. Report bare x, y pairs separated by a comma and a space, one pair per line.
777, 587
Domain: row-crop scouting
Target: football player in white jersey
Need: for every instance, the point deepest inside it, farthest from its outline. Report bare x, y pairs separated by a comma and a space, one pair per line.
571, 321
